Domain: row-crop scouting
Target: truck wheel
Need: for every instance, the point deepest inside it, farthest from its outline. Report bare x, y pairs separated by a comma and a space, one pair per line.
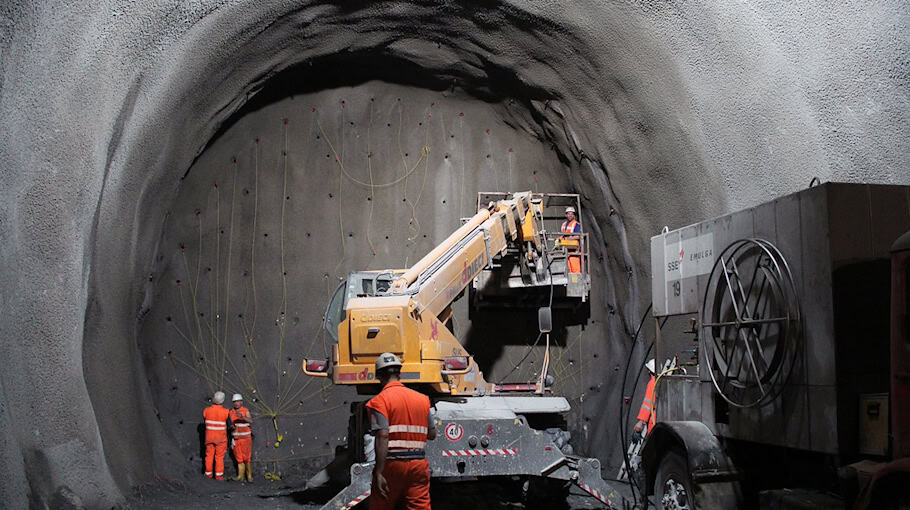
672, 485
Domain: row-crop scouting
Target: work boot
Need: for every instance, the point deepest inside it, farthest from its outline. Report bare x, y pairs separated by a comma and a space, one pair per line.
240, 469
249, 472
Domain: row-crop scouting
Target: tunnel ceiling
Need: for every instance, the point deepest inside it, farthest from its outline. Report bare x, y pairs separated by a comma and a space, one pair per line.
658, 113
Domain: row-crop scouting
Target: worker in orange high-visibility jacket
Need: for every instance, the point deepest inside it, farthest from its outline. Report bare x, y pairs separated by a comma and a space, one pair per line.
402, 421
216, 420
646, 415
572, 243
243, 438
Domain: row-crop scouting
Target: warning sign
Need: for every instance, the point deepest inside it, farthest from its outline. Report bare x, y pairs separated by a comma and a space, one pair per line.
454, 431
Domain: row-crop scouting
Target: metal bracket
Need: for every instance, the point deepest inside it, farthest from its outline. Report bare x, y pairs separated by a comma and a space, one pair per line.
356, 492
486, 245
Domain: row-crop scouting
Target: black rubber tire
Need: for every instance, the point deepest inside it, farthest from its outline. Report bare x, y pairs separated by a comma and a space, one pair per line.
673, 466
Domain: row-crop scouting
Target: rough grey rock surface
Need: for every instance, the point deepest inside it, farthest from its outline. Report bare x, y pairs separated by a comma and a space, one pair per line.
661, 112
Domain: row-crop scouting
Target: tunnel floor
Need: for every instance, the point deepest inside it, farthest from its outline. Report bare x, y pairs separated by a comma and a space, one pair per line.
171, 494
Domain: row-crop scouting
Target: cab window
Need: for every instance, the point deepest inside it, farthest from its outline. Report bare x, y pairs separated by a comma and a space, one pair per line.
334, 314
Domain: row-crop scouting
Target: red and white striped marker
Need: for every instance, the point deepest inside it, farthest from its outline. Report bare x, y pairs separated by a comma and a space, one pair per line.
356, 500
478, 453
596, 493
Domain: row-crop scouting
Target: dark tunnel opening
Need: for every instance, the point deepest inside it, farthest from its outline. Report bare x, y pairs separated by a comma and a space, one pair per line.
218, 231
525, 119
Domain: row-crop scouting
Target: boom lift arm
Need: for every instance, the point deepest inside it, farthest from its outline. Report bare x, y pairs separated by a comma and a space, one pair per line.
408, 312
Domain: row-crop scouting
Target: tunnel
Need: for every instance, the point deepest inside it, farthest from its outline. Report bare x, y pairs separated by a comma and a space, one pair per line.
185, 185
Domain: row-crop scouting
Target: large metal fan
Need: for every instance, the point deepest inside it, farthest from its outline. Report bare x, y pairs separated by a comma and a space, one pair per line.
750, 322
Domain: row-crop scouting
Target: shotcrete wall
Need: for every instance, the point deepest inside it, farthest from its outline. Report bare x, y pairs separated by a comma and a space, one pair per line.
658, 113
281, 207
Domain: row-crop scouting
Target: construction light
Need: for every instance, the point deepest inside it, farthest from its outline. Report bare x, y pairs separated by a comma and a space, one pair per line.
456, 363
315, 366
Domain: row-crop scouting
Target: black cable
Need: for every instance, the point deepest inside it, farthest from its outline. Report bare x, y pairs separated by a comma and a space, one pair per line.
633, 480
539, 334
641, 366
622, 424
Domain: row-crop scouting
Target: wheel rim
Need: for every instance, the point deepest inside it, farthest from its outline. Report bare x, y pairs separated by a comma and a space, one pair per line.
675, 496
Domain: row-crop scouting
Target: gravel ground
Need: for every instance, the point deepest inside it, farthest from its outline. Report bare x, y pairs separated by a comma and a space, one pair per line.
204, 493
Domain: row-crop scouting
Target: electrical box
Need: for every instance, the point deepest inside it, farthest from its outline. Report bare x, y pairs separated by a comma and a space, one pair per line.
873, 424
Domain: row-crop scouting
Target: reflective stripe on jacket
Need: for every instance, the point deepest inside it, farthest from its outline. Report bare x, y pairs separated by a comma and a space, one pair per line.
215, 418
241, 429
568, 227
646, 413
407, 412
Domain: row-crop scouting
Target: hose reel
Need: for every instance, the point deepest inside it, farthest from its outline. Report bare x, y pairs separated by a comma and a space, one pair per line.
750, 321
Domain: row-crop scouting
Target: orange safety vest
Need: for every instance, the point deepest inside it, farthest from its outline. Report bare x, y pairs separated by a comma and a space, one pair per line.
407, 412
241, 429
215, 417
646, 413
568, 227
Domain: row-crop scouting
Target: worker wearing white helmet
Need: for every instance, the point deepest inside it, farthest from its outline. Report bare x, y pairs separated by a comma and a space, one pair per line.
571, 243
243, 438
402, 421
646, 415
216, 419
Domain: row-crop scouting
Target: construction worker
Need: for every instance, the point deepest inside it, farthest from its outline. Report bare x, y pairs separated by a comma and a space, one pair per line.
402, 421
217, 421
243, 439
571, 226
646, 415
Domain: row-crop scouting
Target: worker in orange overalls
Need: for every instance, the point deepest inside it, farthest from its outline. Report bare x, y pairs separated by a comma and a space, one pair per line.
243, 438
402, 421
646, 415
572, 243
216, 421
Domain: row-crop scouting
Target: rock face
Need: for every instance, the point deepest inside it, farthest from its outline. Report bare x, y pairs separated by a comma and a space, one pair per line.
115, 119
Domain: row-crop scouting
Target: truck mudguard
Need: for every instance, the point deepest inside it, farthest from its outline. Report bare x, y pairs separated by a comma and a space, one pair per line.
713, 476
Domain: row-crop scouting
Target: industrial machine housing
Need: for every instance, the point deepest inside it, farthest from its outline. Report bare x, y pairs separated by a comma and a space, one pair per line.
779, 315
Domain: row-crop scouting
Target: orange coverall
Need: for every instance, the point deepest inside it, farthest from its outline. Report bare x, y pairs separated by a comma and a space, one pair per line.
407, 412
243, 439
215, 418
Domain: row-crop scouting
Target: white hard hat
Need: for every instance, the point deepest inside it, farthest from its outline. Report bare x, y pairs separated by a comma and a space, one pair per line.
387, 359
650, 365
218, 397
570, 209
236, 397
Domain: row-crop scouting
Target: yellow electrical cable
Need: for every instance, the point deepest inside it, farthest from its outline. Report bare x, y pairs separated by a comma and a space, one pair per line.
372, 188
213, 313
354, 179
283, 307
227, 286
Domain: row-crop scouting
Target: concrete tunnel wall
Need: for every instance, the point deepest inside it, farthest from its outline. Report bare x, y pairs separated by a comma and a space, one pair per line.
658, 113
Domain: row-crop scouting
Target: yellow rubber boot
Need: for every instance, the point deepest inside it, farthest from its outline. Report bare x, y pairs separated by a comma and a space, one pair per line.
249, 472
240, 470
